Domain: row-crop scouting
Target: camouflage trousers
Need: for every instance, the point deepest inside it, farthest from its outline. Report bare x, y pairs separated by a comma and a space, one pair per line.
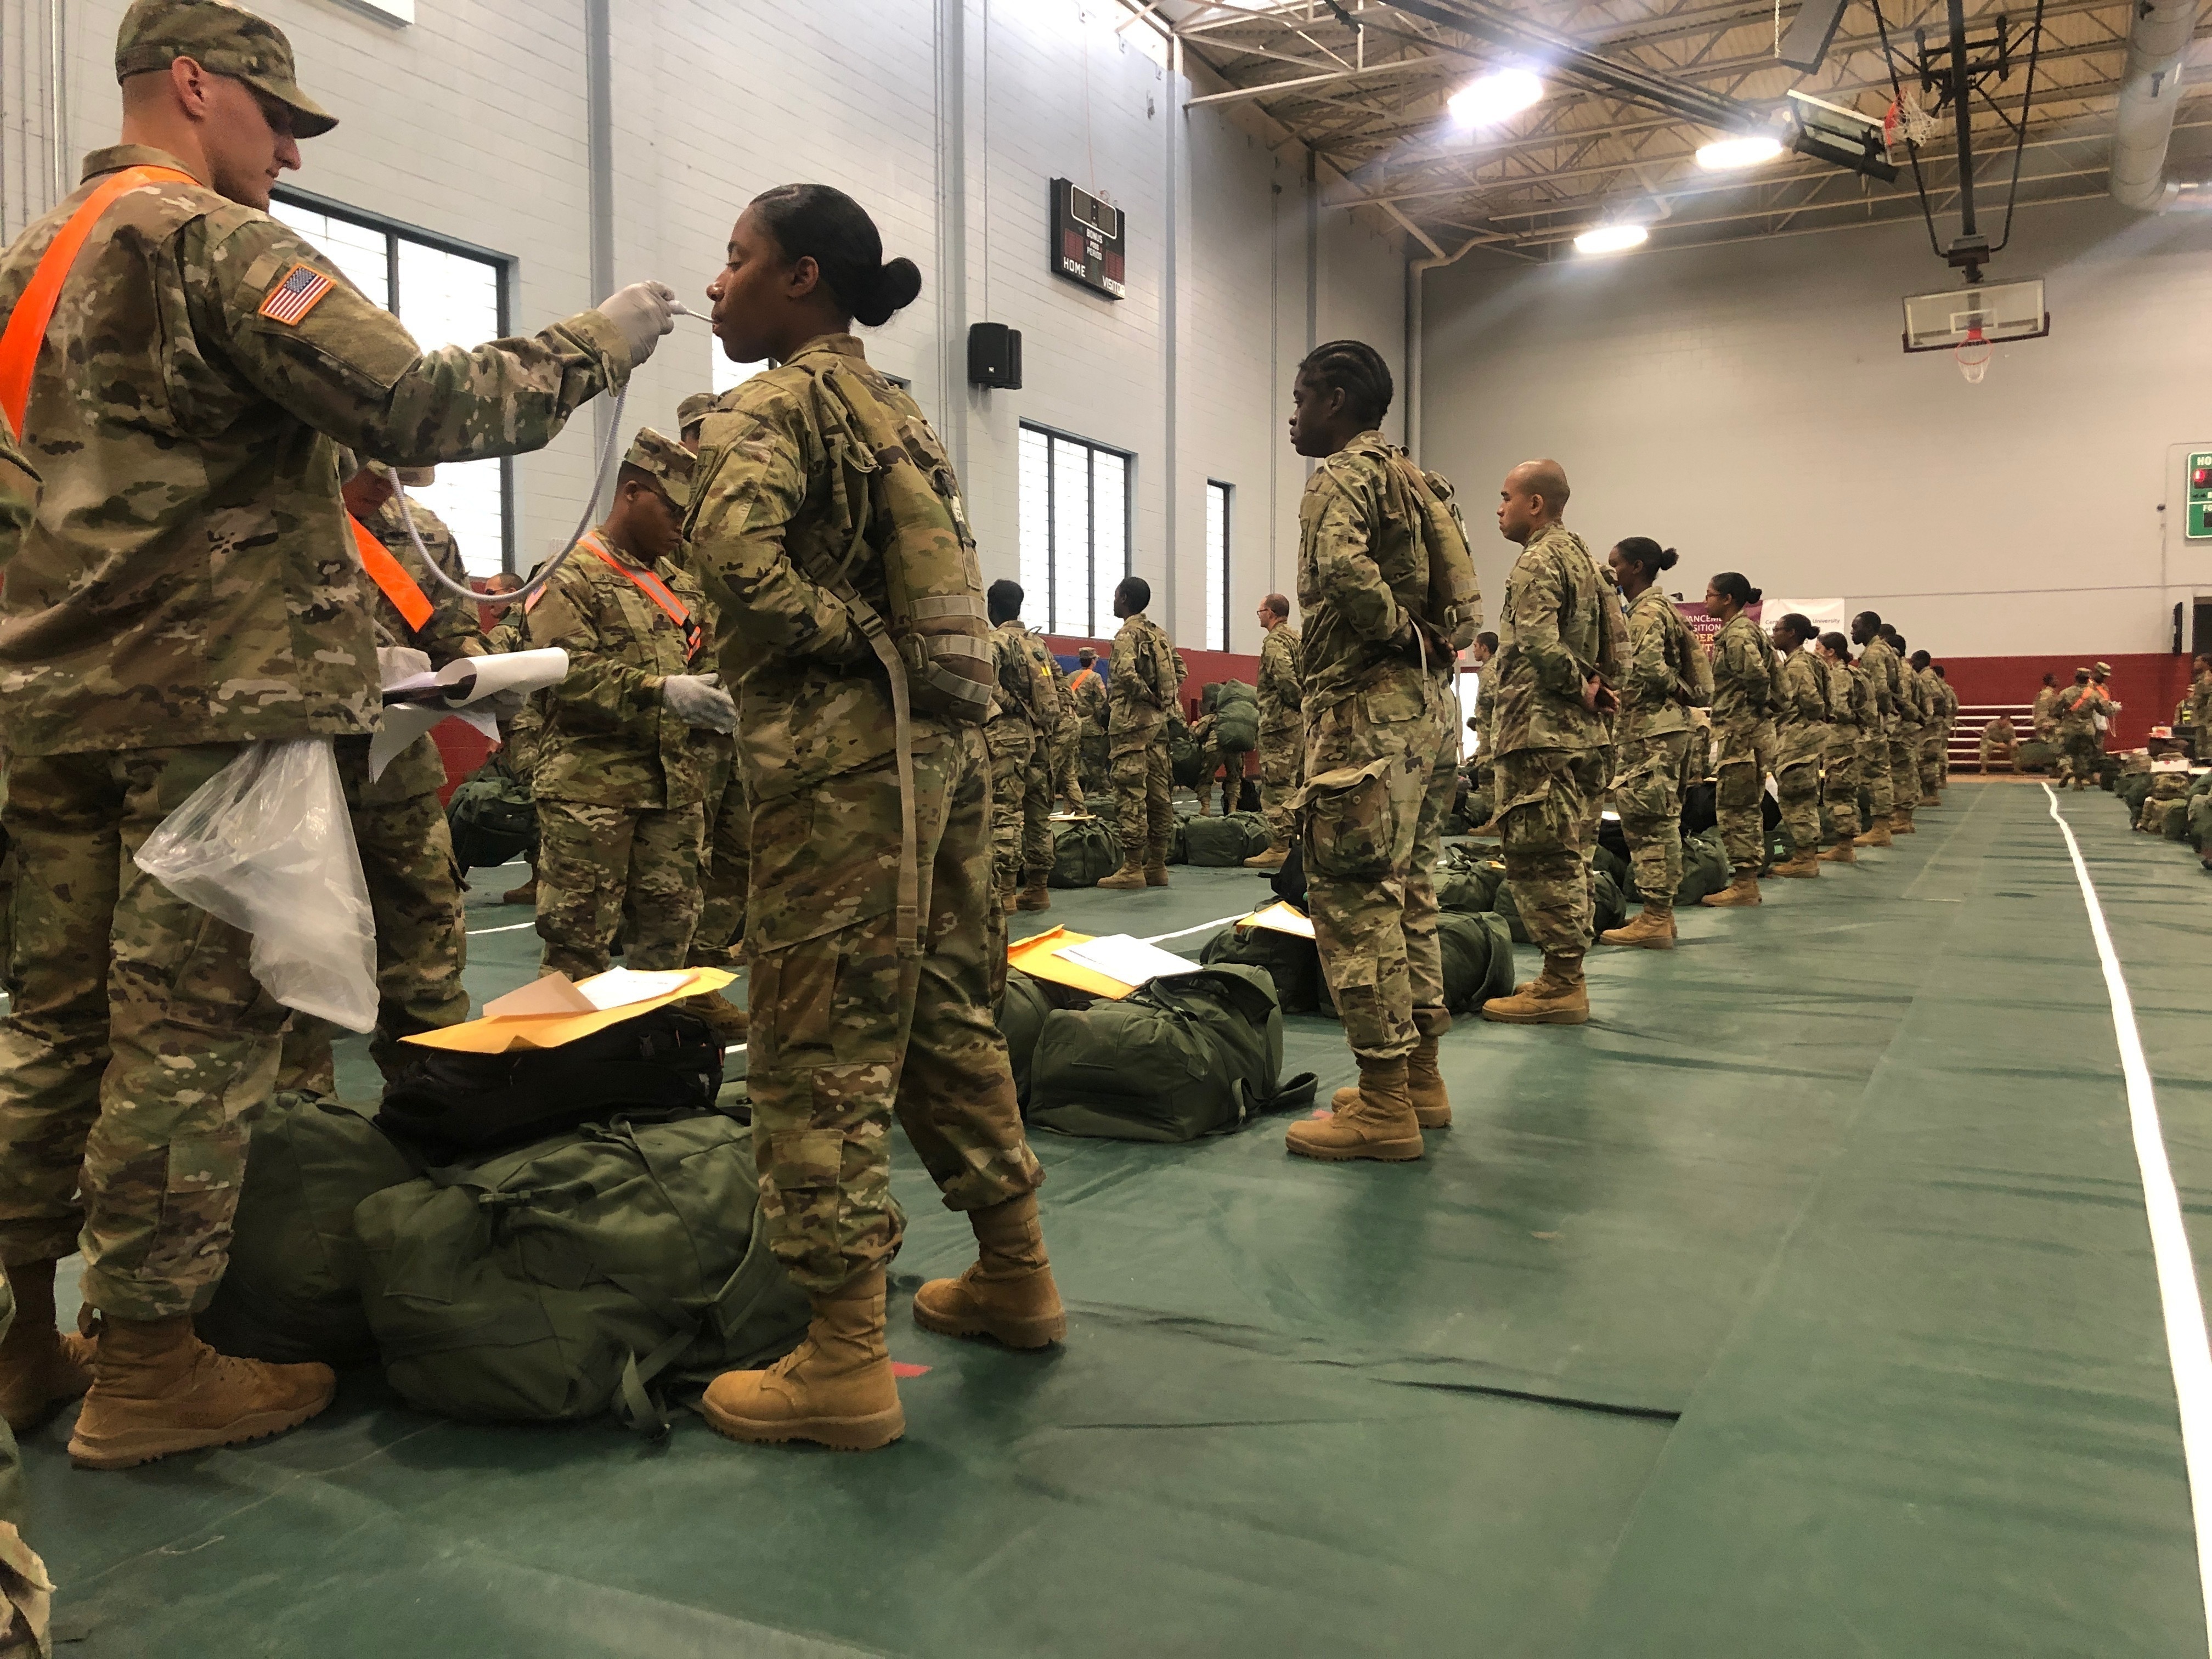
1798, 791
1547, 825
1380, 778
1067, 783
2080, 754
1874, 772
845, 1036
1839, 785
1746, 756
1094, 765
608, 870
727, 838
139, 1045
1282, 771
1647, 792
1144, 805
1226, 767
6, 908
1904, 766
422, 927
1020, 809
26, 1592
1931, 760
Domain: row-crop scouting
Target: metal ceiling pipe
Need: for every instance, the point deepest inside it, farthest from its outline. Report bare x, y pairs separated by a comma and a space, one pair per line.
2150, 94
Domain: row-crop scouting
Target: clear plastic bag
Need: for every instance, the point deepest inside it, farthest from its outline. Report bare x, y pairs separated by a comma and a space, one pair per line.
266, 845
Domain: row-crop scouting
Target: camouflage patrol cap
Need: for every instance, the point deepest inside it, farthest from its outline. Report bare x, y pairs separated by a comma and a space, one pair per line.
224, 39
668, 461
695, 409
2104, 668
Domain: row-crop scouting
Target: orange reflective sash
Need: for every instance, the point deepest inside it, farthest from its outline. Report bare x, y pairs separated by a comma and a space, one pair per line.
26, 325
387, 572
656, 590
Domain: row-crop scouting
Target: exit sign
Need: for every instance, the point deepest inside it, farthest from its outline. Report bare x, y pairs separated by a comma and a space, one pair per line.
2200, 496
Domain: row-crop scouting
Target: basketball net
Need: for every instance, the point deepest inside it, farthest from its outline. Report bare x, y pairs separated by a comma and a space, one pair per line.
1973, 354
1906, 121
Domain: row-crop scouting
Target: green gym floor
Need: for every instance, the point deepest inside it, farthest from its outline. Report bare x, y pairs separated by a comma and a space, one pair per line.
1802, 1303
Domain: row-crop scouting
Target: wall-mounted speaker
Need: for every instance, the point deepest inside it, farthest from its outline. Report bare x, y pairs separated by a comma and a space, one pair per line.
994, 356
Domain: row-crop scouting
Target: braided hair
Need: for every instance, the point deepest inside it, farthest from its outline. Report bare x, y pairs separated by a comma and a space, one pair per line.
1356, 369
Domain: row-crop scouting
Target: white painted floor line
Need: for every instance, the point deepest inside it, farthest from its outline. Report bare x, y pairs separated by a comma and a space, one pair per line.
2186, 1348
1185, 933
511, 928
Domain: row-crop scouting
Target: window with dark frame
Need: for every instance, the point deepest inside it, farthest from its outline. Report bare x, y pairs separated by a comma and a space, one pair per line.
1218, 612
448, 293
1074, 532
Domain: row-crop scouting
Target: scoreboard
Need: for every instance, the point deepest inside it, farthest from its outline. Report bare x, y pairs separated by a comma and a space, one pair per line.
1087, 240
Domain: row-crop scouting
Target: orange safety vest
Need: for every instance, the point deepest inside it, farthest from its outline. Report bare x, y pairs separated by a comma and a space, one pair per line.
390, 575
1077, 677
656, 590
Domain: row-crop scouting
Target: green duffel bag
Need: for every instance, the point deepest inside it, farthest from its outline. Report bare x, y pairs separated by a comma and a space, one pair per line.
1178, 851
2134, 789
2199, 834
2174, 815
1706, 868
1477, 954
1468, 884
1236, 729
1185, 756
292, 1291
1292, 964
1182, 1056
560, 1281
1219, 843
492, 818
1084, 851
1614, 865
1022, 1008
1609, 904
2035, 756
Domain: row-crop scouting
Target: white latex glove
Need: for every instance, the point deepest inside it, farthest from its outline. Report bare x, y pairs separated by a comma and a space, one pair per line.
698, 700
641, 314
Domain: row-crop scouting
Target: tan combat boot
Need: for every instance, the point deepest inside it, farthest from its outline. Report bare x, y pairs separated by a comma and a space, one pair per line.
1653, 927
1558, 996
1900, 821
1744, 890
1841, 852
1128, 876
1877, 836
1008, 1293
1156, 867
158, 1389
835, 1388
525, 894
1377, 1122
1033, 897
1424, 1088
1008, 886
1931, 800
1273, 859
724, 1017
42, 1368
1205, 807
1802, 865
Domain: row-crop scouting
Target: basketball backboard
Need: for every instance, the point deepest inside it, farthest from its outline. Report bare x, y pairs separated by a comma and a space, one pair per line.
1991, 312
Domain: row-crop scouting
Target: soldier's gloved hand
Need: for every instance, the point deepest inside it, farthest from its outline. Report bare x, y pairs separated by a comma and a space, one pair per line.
501, 706
641, 314
697, 700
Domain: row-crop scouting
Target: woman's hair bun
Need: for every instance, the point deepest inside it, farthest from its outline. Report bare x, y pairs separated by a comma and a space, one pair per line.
1667, 555
1757, 594
894, 289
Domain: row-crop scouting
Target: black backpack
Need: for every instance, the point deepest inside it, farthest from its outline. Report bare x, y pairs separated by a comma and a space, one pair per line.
450, 1106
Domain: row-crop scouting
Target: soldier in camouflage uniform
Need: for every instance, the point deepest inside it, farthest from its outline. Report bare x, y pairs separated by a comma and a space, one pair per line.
1947, 713
865, 1004
1087, 690
1563, 647
1282, 731
2045, 713
1934, 729
1851, 708
1666, 677
2192, 721
1024, 714
399, 825
1064, 783
621, 765
145, 639
1747, 692
1885, 681
1904, 738
1146, 675
1801, 724
2080, 746
1374, 688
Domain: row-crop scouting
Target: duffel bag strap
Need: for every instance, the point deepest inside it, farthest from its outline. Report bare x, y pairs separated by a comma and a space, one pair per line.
634, 1405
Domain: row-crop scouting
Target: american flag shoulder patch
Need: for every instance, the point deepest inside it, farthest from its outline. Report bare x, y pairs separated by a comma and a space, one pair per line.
299, 293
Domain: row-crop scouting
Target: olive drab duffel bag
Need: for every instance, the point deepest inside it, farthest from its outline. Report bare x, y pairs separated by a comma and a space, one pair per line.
1023, 1006
292, 1291
1468, 884
1182, 1056
1083, 851
1292, 965
562, 1280
1237, 724
493, 819
1607, 908
1222, 842
1477, 956
1705, 867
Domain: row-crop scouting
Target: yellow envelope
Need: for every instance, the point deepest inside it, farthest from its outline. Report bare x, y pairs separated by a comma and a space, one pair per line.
1038, 957
1280, 917
497, 1034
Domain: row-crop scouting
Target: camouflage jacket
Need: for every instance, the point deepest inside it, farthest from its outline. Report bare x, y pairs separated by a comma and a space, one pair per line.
1931, 697
1850, 700
2045, 717
2078, 708
1143, 680
189, 577
769, 527
2196, 709
19, 495
1027, 697
452, 632
1743, 680
1069, 727
1801, 723
1667, 674
1087, 690
1879, 664
1363, 575
609, 737
1551, 639
1911, 700
1280, 692
1950, 700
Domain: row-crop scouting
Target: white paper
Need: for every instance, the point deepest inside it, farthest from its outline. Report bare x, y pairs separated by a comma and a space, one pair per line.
618, 986
1126, 957
403, 722
555, 993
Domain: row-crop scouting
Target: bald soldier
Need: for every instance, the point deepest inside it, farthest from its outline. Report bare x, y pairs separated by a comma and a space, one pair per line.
146, 639
1562, 641
1282, 730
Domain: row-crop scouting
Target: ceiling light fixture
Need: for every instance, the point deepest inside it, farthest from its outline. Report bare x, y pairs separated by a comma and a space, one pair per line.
1611, 239
1494, 97
1748, 149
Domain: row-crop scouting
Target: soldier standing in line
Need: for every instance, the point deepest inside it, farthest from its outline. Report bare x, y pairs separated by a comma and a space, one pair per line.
1666, 677
1949, 715
1146, 675
1063, 783
1282, 731
2080, 747
398, 826
2194, 717
139, 1043
1934, 726
1745, 672
1025, 715
872, 929
1850, 710
1562, 648
1904, 737
1375, 668
1801, 743
621, 784
1885, 679
1087, 687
